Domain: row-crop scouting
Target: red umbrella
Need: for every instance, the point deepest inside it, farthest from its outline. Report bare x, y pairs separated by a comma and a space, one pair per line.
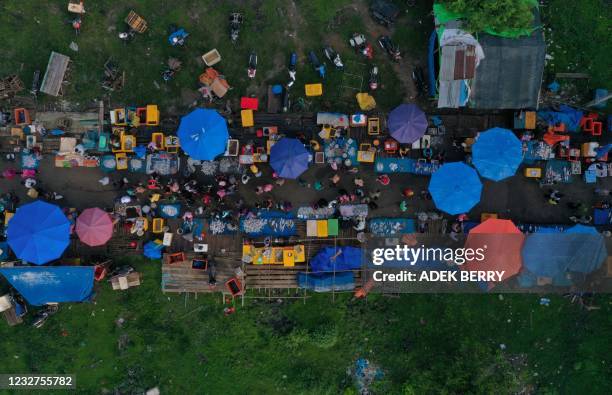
502, 241
94, 227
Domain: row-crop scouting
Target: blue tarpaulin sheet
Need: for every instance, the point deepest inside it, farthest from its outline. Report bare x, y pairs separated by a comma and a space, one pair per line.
405, 165
268, 227
535, 150
342, 281
221, 227
602, 216
30, 161
566, 115
331, 259
51, 284
391, 226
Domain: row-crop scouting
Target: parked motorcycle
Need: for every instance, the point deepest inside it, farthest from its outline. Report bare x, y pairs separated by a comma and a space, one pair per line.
43, 315
419, 80
361, 45
252, 70
333, 57
391, 49
292, 69
235, 21
318, 66
373, 81
126, 37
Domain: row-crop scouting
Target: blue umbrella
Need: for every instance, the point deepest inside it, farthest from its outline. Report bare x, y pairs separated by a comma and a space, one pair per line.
590, 250
455, 188
152, 250
407, 123
546, 252
39, 232
497, 154
203, 134
289, 158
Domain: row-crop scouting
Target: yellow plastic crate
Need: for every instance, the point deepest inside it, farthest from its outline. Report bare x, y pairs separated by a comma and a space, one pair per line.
322, 228
247, 118
314, 89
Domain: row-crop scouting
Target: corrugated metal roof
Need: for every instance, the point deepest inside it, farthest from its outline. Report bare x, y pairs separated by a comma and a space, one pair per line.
449, 94
458, 62
510, 75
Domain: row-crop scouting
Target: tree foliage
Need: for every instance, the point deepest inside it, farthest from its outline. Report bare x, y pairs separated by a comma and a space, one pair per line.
498, 15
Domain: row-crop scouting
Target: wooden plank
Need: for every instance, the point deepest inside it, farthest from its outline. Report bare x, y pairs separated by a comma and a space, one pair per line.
573, 75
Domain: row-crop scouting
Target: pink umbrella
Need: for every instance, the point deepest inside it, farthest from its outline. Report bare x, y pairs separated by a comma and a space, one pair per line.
94, 227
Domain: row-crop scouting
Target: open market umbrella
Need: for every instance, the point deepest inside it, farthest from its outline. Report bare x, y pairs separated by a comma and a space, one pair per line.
455, 188
203, 134
407, 123
497, 154
39, 232
501, 242
590, 251
94, 227
289, 158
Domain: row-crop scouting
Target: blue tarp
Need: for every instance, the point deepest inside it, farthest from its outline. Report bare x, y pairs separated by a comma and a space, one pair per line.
497, 154
350, 258
536, 150
289, 158
221, 227
30, 161
51, 284
203, 134
39, 232
342, 281
281, 227
169, 210
391, 226
405, 165
602, 216
566, 115
153, 250
455, 188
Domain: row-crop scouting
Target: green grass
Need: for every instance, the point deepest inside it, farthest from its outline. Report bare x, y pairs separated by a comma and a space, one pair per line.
268, 27
579, 37
423, 343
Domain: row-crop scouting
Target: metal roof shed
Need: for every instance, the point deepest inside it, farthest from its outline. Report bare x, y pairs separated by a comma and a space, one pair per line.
55, 74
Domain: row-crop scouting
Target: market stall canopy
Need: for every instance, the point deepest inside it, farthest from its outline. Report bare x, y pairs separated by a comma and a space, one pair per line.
39, 232
289, 158
455, 188
592, 251
94, 227
550, 252
203, 134
502, 242
51, 284
497, 154
407, 123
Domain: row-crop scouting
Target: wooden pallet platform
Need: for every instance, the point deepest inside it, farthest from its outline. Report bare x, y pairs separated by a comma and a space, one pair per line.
181, 277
